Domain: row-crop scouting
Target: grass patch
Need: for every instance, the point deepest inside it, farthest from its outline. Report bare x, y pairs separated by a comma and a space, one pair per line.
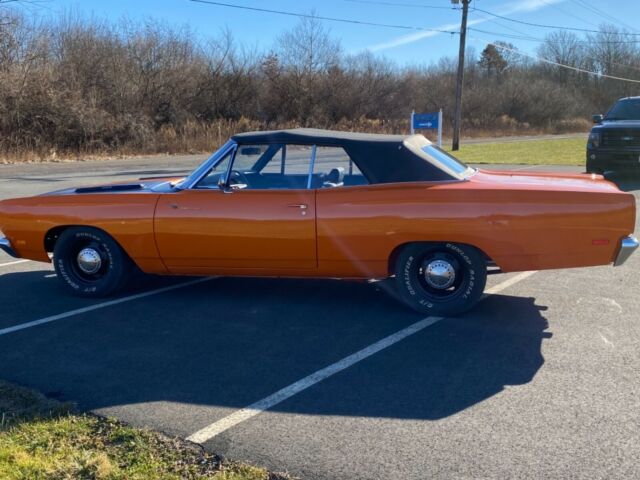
563, 151
43, 439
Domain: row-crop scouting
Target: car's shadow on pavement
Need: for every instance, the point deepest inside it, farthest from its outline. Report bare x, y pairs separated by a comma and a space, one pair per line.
229, 342
451, 366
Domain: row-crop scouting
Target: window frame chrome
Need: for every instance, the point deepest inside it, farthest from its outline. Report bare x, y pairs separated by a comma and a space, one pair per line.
231, 147
205, 168
312, 164
227, 174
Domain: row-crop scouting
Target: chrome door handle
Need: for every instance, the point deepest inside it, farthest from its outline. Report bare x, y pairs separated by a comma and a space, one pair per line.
301, 206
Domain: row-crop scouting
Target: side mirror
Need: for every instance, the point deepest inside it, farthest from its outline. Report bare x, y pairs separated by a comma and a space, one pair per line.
222, 185
597, 118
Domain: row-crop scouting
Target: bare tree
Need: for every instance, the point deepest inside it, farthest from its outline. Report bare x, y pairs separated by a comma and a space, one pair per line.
75, 84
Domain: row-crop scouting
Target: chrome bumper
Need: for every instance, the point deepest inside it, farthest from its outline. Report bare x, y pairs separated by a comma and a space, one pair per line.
5, 245
627, 247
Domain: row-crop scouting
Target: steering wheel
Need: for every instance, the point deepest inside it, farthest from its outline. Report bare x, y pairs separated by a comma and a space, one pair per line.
238, 178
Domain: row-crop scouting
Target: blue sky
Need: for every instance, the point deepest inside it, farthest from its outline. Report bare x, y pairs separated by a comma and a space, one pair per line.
257, 29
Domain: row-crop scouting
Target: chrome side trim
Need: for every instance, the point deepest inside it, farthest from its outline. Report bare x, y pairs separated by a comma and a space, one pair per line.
5, 245
627, 247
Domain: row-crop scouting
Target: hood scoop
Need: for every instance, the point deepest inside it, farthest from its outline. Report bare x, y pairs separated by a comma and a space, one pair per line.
110, 188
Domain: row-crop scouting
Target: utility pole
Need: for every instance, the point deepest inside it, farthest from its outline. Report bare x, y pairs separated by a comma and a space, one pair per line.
457, 119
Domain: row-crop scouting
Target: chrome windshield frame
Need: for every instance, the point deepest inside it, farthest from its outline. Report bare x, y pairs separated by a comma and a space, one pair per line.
312, 164
205, 167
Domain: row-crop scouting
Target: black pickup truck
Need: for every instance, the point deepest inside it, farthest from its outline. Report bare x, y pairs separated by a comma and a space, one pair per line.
614, 142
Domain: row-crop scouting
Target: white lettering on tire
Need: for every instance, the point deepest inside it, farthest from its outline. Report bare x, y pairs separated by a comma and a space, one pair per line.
66, 276
407, 275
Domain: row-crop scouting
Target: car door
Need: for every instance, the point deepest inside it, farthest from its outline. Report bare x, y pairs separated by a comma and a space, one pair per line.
252, 227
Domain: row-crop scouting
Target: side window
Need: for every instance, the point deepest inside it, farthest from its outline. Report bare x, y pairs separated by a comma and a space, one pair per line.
274, 166
211, 179
254, 158
334, 168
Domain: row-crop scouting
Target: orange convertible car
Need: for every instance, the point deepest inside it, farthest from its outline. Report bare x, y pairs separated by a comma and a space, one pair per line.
319, 203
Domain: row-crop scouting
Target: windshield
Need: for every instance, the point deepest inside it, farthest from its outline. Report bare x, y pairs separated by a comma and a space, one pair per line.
625, 110
437, 157
446, 159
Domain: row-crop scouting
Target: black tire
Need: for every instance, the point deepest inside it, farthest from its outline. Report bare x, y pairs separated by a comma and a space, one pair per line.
442, 295
113, 264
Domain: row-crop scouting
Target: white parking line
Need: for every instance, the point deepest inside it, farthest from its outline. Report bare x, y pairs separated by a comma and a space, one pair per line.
508, 282
98, 306
280, 396
12, 263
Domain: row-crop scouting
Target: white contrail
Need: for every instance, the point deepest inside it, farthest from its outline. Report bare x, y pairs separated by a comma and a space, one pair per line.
524, 6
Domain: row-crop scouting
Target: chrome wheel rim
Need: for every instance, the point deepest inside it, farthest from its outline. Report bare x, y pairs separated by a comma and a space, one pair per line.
89, 261
439, 274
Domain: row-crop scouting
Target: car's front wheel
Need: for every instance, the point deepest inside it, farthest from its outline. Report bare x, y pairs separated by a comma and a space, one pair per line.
440, 279
90, 263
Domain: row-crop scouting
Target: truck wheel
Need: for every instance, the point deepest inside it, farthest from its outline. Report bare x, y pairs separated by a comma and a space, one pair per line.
440, 279
90, 263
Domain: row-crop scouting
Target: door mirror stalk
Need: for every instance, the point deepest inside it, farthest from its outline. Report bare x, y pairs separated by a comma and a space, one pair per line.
222, 185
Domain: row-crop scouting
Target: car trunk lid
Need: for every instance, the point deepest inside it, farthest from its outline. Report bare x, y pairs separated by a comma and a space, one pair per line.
545, 181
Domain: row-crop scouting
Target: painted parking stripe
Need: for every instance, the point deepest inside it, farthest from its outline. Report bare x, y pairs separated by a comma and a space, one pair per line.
54, 318
13, 263
508, 282
280, 396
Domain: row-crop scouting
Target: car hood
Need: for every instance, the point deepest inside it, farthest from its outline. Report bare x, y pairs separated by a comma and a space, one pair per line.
142, 185
545, 181
614, 124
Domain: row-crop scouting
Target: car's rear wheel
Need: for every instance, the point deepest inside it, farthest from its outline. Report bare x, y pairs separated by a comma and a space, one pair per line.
90, 263
440, 279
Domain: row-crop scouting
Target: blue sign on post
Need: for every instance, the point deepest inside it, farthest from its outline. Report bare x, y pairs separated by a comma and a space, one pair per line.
426, 121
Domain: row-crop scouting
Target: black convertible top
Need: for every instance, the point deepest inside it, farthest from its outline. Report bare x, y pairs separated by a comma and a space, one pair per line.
315, 136
381, 158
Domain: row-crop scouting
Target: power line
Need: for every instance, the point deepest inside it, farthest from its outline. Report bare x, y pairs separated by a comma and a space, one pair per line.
410, 5
474, 9
540, 25
318, 17
528, 38
495, 22
538, 40
405, 27
508, 35
551, 62
573, 15
602, 13
514, 37
518, 32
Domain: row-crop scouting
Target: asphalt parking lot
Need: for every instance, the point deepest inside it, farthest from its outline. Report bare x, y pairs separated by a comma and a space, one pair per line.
541, 379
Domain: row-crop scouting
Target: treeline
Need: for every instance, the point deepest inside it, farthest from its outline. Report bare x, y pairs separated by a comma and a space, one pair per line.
78, 86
